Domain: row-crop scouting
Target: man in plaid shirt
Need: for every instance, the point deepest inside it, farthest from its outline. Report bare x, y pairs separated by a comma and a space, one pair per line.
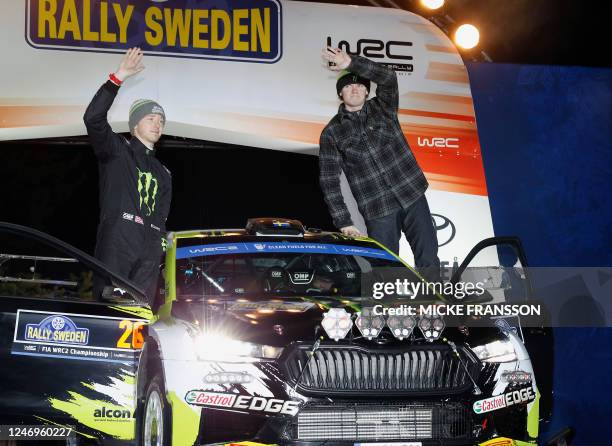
365, 141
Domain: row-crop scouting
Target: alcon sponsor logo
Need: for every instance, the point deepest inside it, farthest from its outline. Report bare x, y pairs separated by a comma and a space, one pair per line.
112, 414
397, 51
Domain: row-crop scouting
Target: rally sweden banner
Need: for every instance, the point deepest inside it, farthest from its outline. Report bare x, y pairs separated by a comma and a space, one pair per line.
246, 30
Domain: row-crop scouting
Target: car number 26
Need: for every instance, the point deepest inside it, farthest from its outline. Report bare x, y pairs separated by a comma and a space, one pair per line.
131, 338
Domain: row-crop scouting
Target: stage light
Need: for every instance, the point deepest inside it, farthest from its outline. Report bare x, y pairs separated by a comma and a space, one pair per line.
467, 36
432, 4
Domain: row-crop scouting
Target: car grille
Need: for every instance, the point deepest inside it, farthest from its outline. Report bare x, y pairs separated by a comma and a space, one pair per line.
363, 421
336, 369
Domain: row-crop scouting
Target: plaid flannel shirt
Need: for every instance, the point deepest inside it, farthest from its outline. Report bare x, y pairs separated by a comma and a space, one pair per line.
370, 148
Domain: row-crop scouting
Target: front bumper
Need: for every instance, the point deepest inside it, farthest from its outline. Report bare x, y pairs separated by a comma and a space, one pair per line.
346, 423
381, 416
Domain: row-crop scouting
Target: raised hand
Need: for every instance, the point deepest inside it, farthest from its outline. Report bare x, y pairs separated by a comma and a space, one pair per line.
336, 58
131, 64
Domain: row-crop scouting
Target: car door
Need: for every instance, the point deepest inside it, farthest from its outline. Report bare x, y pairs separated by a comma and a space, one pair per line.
67, 357
500, 263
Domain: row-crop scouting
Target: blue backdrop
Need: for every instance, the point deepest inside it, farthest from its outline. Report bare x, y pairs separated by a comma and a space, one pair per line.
545, 135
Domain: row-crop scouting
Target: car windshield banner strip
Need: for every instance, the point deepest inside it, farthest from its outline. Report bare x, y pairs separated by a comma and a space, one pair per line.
77, 336
266, 247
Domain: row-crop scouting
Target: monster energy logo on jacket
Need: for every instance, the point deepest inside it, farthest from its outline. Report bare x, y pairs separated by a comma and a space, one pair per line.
147, 190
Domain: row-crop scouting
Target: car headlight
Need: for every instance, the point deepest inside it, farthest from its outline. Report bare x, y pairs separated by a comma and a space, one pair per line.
215, 347
496, 351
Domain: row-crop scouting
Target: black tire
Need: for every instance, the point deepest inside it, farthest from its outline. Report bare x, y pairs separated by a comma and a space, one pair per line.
156, 420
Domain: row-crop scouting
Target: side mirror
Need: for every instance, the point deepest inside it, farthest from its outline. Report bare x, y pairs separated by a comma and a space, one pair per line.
118, 295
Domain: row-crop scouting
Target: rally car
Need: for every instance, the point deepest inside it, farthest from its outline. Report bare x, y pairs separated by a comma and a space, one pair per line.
263, 335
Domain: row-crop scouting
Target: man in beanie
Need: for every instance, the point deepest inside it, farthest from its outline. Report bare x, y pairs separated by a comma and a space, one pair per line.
135, 188
365, 141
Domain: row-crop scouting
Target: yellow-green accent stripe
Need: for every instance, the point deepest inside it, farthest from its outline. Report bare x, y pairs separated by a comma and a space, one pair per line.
185, 422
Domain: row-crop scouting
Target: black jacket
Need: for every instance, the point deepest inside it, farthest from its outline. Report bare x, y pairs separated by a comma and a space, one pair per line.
370, 147
134, 185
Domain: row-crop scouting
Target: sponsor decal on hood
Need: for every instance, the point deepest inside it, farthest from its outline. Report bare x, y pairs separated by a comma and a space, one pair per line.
522, 396
241, 402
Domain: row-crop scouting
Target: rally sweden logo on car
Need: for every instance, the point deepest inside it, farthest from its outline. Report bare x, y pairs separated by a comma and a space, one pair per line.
57, 329
516, 397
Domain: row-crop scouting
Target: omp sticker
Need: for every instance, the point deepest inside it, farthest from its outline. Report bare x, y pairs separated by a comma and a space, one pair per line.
77, 336
301, 277
522, 396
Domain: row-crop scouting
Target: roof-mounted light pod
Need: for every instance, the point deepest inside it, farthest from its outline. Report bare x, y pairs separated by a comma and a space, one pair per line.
275, 227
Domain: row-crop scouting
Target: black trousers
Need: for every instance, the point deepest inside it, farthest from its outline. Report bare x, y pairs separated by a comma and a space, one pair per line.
132, 251
418, 226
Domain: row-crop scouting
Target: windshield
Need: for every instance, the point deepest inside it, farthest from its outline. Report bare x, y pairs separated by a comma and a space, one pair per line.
278, 268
